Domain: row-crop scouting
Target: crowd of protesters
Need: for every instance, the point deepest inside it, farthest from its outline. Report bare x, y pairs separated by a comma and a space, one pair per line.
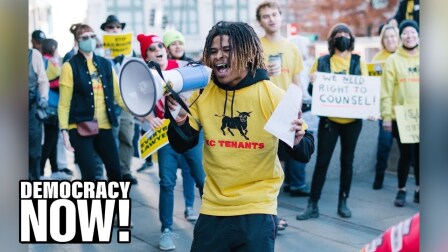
75, 105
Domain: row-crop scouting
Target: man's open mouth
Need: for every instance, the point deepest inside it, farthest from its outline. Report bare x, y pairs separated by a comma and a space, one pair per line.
222, 67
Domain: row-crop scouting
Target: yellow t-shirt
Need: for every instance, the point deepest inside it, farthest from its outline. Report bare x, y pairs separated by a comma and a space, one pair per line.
66, 92
291, 58
243, 173
341, 65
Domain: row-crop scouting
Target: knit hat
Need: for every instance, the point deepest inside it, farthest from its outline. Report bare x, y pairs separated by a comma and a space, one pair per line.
171, 36
407, 23
146, 41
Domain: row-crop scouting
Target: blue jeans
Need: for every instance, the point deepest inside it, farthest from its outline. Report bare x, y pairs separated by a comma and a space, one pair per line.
188, 182
168, 163
385, 140
294, 174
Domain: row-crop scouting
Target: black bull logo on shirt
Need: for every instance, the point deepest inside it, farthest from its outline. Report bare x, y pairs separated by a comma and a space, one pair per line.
239, 123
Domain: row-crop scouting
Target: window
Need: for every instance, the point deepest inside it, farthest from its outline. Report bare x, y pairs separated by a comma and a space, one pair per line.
182, 15
230, 10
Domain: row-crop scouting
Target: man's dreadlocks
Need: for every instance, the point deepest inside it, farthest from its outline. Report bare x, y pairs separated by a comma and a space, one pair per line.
246, 51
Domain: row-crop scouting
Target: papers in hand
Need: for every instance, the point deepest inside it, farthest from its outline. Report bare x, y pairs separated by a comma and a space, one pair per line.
279, 124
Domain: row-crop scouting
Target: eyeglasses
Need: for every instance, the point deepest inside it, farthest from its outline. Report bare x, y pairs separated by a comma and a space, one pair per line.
152, 48
113, 26
84, 38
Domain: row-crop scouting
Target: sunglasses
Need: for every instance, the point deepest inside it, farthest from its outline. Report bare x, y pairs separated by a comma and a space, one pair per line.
84, 38
113, 26
152, 48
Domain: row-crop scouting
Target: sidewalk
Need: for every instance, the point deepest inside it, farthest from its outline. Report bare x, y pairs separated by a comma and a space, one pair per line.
373, 212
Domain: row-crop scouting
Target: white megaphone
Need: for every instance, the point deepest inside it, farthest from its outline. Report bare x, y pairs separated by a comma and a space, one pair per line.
141, 87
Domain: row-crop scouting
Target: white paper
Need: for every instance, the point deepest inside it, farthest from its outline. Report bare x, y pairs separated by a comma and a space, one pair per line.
184, 95
279, 124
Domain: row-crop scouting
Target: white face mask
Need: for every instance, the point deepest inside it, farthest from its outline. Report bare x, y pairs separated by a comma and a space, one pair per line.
99, 52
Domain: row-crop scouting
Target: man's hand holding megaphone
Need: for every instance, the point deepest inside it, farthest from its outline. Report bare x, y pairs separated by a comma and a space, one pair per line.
173, 105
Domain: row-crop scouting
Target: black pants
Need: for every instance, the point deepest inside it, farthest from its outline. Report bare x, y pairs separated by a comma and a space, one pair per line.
34, 144
104, 145
49, 149
243, 233
327, 136
408, 152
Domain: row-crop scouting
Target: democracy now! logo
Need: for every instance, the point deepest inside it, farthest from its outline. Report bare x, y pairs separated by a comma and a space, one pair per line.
74, 211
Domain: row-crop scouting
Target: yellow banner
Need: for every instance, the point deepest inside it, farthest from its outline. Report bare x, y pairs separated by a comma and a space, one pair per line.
153, 140
408, 121
375, 68
117, 44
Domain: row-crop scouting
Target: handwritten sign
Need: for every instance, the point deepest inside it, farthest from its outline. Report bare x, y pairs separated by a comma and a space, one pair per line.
375, 68
408, 121
346, 96
153, 140
117, 44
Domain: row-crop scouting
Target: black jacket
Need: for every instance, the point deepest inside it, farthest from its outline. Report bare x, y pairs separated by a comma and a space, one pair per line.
82, 103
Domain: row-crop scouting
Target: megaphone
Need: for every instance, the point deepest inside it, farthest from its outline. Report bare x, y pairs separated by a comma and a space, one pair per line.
141, 87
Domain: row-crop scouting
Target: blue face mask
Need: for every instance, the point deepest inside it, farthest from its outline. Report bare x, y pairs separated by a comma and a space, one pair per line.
88, 45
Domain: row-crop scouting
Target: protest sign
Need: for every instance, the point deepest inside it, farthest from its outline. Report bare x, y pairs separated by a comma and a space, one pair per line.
346, 96
116, 44
375, 68
408, 121
153, 140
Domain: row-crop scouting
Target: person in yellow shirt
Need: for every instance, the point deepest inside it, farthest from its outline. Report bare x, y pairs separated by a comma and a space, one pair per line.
243, 173
88, 87
389, 44
341, 60
400, 86
284, 64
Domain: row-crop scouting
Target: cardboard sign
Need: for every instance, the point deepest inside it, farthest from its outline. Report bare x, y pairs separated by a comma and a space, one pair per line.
375, 68
117, 44
153, 140
408, 121
346, 96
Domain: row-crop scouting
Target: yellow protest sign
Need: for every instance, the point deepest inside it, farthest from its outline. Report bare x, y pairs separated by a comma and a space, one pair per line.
375, 68
116, 44
408, 121
153, 140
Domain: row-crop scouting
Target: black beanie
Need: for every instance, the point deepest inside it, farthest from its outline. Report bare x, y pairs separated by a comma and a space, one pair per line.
407, 23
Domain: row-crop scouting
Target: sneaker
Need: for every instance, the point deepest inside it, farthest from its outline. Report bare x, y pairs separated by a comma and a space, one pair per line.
400, 200
60, 176
166, 240
282, 224
146, 165
190, 214
417, 197
131, 178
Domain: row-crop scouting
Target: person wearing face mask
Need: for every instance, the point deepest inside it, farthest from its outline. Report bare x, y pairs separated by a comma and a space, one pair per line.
153, 49
340, 60
88, 87
389, 44
400, 86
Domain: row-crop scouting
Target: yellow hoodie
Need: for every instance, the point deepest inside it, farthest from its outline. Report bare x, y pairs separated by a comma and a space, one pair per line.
400, 82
